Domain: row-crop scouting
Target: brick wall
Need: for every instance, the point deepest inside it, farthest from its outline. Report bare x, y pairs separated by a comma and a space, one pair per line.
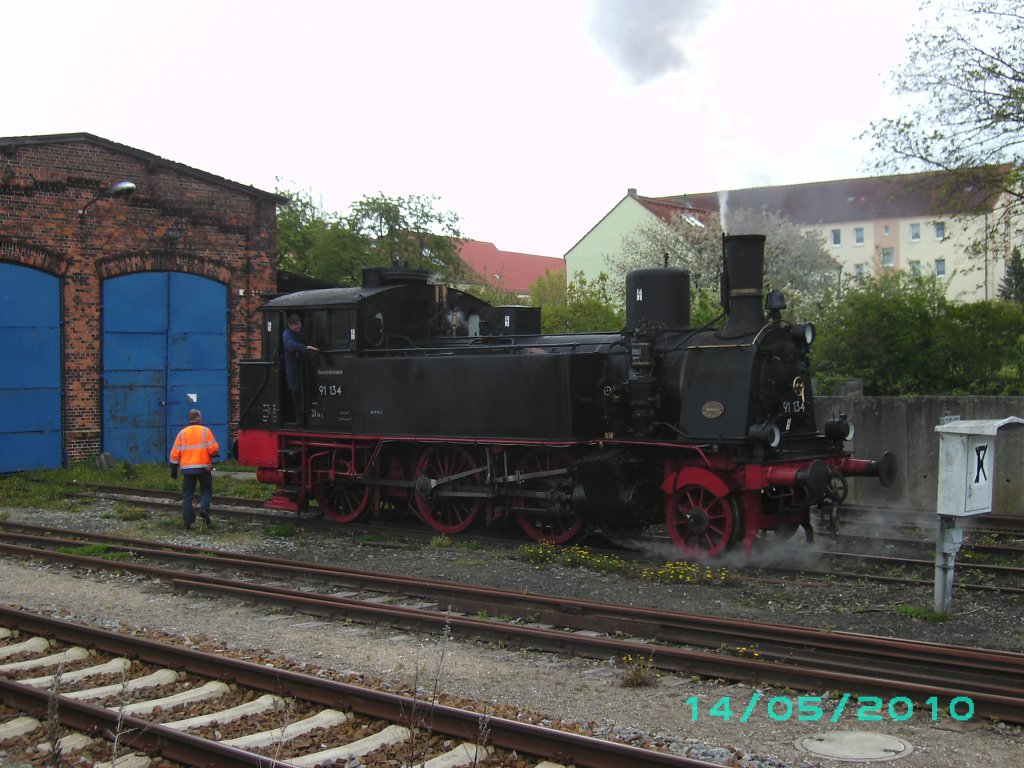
178, 219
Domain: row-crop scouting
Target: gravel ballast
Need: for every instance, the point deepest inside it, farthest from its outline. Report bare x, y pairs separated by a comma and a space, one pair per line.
588, 691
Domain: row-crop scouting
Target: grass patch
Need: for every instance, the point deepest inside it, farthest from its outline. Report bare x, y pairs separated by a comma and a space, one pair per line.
101, 551
638, 671
51, 488
283, 531
920, 612
128, 512
678, 572
469, 561
442, 541
241, 538
546, 553
682, 572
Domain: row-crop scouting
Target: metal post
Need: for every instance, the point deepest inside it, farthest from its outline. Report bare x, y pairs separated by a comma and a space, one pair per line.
948, 544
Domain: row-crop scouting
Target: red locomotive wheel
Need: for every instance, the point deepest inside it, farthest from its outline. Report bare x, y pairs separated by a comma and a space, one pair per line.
343, 502
555, 528
446, 514
701, 523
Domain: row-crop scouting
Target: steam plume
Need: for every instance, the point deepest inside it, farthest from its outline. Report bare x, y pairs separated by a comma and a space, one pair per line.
641, 38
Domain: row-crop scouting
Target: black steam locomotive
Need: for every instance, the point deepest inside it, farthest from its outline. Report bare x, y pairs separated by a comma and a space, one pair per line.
424, 397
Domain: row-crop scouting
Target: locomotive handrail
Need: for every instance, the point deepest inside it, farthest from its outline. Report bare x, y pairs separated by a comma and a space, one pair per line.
744, 345
571, 346
685, 339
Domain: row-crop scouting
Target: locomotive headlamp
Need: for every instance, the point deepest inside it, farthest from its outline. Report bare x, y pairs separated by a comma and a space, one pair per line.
804, 332
839, 429
766, 433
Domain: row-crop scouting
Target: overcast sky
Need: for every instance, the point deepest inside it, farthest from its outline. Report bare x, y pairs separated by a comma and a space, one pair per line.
530, 119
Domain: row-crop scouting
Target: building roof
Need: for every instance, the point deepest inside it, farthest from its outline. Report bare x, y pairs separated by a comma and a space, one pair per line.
666, 208
67, 138
881, 197
507, 270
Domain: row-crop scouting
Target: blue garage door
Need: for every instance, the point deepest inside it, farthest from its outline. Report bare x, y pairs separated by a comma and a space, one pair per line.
30, 433
165, 350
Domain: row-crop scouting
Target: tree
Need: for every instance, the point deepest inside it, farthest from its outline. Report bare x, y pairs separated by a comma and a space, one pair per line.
300, 224
984, 348
493, 296
589, 306
377, 231
900, 335
1012, 287
548, 290
795, 260
409, 231
964, 74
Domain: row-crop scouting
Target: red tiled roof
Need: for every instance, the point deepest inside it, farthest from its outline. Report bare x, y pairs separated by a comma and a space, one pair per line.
880, 197
665, 208
507, 270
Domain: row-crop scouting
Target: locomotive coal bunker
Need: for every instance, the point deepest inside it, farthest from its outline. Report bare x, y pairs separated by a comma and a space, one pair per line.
426, 398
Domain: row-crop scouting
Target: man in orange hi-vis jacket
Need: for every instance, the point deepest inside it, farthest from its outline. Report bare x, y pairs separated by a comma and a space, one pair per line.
194, 450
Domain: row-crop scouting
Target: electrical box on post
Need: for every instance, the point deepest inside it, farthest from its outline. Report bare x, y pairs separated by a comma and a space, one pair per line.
967, 457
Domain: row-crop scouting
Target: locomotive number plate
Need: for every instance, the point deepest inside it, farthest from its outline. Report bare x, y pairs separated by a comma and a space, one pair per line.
794, 406
712, 409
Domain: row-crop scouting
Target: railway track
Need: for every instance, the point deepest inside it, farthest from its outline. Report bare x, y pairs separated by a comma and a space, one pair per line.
911, 518
201, 709
799, 658
973, 556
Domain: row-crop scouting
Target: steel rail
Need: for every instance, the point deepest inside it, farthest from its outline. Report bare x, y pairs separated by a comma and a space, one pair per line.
1004, 701
464, 724
1002, 569
133, 732
904, 516
919, 660
251, 508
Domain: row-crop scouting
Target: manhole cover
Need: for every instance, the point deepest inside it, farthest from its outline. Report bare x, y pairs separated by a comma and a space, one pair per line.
855, 746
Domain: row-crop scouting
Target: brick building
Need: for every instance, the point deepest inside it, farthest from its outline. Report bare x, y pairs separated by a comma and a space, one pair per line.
122, 305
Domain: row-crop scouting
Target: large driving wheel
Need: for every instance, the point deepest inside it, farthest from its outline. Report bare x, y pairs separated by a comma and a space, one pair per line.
438, 505
700, 522
554, 519
344, 501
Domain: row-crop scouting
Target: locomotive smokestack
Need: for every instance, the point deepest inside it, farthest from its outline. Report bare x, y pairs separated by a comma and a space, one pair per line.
742, 284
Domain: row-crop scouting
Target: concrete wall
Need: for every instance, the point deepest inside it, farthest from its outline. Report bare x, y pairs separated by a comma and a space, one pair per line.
906, 427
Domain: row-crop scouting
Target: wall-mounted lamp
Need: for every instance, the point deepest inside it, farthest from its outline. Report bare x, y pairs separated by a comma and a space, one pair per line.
117, 189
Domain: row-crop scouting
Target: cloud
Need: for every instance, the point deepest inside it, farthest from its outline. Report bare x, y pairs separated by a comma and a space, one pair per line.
642, 38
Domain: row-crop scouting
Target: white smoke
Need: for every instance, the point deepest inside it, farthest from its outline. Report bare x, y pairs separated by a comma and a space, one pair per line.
642, 38
723, 210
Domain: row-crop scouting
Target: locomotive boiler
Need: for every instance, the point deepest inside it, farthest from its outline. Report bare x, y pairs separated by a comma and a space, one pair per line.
424, 397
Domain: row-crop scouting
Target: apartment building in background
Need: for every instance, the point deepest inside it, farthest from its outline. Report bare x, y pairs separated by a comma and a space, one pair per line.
956, 226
